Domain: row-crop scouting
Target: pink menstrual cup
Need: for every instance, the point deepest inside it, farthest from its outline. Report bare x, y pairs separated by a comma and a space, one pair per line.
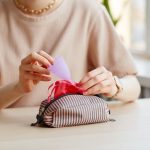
60, 69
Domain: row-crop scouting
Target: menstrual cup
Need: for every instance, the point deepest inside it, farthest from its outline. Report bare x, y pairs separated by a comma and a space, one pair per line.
60, 69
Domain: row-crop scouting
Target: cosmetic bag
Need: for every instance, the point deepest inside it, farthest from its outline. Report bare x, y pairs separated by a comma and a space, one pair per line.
69, 107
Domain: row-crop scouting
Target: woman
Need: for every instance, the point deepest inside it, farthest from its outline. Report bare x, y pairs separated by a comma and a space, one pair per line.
33, 32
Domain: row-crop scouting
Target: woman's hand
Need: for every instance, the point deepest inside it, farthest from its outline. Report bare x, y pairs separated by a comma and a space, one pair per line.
99, 81
32, 70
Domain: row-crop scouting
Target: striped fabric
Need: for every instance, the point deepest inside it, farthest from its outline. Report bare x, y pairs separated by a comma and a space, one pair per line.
73, 110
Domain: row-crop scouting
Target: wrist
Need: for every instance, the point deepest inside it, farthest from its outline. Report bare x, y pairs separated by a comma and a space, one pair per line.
119, 87
116, 88
18, 89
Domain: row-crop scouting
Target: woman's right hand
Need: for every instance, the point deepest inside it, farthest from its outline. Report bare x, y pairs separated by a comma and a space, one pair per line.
32, 70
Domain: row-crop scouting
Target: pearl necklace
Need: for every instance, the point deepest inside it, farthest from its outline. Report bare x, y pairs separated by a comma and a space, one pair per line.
34, 11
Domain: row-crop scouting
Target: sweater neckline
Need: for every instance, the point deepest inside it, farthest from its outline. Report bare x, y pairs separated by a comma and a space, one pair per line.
42, 18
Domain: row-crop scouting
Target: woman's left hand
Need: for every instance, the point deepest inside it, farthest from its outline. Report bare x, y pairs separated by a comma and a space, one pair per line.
99, 81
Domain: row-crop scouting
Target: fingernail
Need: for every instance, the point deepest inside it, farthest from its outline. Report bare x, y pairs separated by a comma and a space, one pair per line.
48, 65
48, 78
52, 62
85, 93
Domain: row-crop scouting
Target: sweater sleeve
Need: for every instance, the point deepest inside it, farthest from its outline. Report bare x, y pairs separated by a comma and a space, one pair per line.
106, 48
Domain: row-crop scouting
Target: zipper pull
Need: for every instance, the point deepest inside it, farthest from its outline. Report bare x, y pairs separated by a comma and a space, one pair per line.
39, 120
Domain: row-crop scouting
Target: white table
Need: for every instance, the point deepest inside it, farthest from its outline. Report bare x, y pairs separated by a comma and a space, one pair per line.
131, 131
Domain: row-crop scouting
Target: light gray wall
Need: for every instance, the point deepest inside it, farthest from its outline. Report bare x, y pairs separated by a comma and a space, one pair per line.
148, 25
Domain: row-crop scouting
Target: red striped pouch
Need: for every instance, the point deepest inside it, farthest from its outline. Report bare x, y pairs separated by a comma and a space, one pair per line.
72, 110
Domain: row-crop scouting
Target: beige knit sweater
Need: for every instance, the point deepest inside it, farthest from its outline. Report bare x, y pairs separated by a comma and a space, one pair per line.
78, 30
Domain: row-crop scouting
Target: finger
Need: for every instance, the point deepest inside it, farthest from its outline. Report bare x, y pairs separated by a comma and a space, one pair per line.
105, 83
98, 87
35, 68
47, 56
103, 91
42, 75
36, 77
35, 57
92, 73
95, 80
